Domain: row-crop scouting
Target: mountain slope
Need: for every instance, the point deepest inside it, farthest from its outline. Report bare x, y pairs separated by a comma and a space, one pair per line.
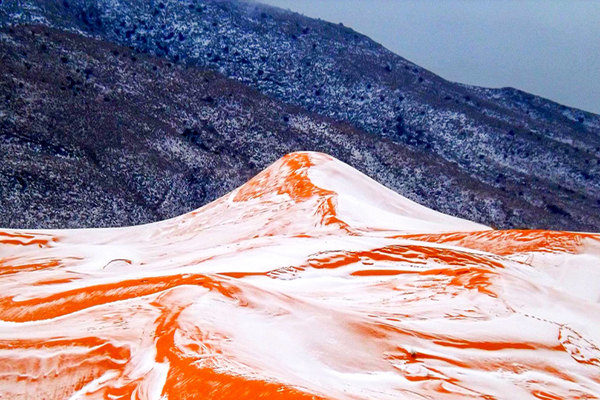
94, 135
285, 288
544, 154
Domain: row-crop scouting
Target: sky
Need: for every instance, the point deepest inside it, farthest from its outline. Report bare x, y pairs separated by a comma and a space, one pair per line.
550, 48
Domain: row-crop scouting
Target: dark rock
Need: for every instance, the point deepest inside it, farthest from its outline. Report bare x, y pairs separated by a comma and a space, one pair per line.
534, 161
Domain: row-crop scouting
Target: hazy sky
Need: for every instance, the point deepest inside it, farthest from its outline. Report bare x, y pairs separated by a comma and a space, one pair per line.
546, 47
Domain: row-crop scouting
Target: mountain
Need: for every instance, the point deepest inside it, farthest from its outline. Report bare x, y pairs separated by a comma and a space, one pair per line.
513, 159
98, 135
333, 287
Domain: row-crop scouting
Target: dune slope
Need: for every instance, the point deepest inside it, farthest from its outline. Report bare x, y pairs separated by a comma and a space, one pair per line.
311, 281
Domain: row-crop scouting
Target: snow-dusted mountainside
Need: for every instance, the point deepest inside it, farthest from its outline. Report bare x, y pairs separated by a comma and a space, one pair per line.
115, 138
311, 281
538, 162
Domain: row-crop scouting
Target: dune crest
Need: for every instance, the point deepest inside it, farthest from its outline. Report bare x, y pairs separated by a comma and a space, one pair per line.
311, 281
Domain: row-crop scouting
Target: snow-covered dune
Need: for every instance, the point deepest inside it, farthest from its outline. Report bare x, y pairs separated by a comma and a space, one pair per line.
311, 281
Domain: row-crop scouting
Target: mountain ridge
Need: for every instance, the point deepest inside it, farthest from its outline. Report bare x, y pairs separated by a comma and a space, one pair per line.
543, 155
62, 116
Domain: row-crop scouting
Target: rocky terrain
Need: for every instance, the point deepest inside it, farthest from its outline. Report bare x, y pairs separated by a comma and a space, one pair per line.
106, 136
164, 141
